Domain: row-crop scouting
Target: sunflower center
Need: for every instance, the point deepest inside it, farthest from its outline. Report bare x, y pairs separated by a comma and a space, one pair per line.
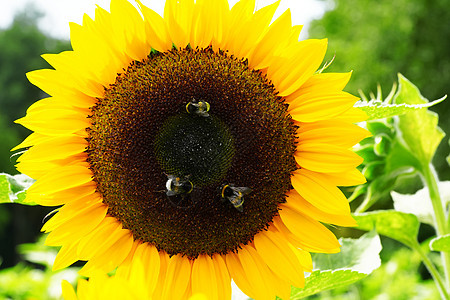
192, 151
200, 147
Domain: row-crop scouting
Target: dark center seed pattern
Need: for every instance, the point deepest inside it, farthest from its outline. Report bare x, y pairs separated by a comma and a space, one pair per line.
141, 132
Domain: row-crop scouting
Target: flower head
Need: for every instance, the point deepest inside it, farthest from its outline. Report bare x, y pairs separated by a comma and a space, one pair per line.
203, 143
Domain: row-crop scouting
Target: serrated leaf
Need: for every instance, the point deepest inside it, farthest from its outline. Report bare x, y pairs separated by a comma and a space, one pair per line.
13, 188
418, 129
356, 254
321, 281
399, 226
379, 110
441, 243
357, 259
419, 203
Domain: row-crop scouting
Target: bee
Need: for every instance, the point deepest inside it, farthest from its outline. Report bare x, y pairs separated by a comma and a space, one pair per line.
178, 186
200, 108
178, 191
235, 195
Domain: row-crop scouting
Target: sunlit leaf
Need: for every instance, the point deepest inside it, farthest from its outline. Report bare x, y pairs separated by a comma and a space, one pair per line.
418, 129
441, 243
399, 226
379, 110
419, 203
357, 259
320, 281
13, 188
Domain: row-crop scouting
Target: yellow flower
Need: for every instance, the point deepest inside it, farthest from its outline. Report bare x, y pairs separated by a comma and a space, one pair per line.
203, 143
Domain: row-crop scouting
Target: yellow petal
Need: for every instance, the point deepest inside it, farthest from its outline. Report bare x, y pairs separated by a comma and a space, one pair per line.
290, 73
258, 273
68, 292
348, 178
243, 39
178, 15
105, 233
56, 148
67, 255
335, 132
326, 158
204, 278
129, 29
78, 226
314, 236
223, 277
315, 189
298, 203
262, 54
111, 254
54, 122
62, 179
312, 107
275, 251
149, 256
239, 276
156, 30
164, 263
177, 278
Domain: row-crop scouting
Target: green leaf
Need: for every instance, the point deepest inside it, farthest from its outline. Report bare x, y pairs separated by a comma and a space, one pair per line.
441, 243
396, 225
419, 203
419, 130
326, 280
379, 110
13, 188
357, 259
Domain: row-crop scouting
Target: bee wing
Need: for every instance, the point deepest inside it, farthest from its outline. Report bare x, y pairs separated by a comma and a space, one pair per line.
170, 193
240, 208
243, 190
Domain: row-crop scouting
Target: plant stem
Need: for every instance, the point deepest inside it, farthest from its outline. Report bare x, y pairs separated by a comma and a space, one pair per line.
440, 218
433, 271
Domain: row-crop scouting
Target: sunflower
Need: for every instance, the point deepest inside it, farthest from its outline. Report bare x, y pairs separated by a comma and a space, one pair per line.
203, 143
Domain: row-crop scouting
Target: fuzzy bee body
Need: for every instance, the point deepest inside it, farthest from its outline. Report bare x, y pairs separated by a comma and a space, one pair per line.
200, 108
178, 186
235, 195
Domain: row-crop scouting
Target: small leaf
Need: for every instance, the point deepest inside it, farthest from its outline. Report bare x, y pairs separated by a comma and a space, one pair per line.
441, 243
419, 203
357, 259
320, 281
396, 225
419, 129
356, 254
379, 110
13, 188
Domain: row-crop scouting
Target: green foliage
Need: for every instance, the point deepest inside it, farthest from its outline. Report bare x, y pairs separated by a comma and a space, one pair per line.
357, 259
378, 39
418, 129
20, 48
379, 110
396, 225
398, 146
419, 203
13, 188
441, 243
397, 278
24, 281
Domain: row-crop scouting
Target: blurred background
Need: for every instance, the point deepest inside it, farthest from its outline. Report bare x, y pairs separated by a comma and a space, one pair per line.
375, 39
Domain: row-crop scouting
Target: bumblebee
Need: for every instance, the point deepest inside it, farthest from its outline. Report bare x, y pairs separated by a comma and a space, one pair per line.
235, 195
200, 108
178, 186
